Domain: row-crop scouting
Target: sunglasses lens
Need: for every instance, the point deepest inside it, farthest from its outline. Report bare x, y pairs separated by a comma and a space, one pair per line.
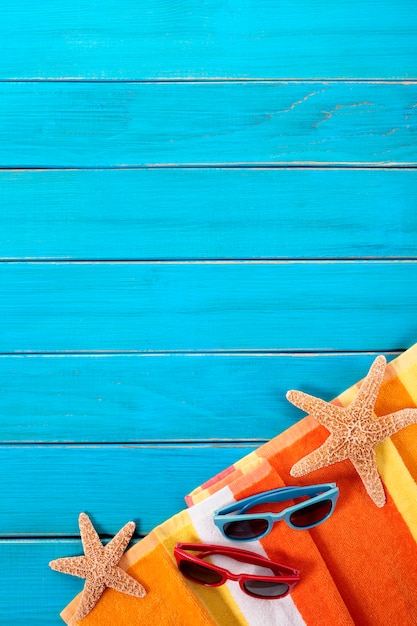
265, 588
200, 573
246, 529
311, 514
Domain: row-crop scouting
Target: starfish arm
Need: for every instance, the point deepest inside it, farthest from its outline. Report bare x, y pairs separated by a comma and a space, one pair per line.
366, 397
392, 423
121, 581
330, 452
324, 412
115, 548
90, 596
367, 469
91, 541
74, 565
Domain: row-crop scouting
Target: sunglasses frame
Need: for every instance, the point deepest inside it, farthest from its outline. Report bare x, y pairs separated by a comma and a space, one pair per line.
236, 512
283, 573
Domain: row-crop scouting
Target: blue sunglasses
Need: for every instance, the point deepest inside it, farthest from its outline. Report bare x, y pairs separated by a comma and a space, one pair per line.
236, 524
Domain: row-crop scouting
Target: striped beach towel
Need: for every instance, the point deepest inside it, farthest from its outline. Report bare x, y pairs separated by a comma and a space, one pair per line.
358, 568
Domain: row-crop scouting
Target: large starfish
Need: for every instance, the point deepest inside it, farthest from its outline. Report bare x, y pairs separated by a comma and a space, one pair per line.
354, 431
99, 566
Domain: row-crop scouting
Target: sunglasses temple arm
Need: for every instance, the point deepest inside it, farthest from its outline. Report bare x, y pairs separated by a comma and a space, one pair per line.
283, 570
279, 495
276, 495
262, 562
244, 556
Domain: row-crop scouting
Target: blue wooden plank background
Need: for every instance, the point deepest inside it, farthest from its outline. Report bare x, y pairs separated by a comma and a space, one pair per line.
185, 306
210, 213
164, 39
147, 397
96, 485
202, 205
124, 124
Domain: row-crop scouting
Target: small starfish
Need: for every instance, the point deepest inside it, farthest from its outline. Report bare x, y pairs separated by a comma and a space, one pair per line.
99, 566
354, 431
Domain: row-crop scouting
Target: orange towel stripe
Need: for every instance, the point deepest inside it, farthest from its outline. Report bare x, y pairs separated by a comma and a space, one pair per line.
297, 549
357, 542
170, 600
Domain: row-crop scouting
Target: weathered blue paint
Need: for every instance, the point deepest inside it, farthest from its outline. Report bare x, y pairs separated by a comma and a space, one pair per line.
47, 486
208, 306
33, 593
109, 39
76, 125
208, 214
171, 397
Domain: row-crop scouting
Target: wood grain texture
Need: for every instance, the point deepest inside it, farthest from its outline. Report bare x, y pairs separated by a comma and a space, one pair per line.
207, 214
149, 397
166, 39
30, 592
207, 306
122, 124
48, 486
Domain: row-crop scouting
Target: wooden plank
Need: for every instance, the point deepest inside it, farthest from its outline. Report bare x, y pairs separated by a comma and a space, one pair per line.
121, 124
30, 592
207, 306
165, 39
46, 487
180, 214
139, 398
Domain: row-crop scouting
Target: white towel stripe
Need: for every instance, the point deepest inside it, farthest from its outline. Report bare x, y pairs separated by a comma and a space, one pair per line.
257, 612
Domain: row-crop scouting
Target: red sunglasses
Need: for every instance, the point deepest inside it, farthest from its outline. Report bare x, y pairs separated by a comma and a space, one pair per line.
257, 585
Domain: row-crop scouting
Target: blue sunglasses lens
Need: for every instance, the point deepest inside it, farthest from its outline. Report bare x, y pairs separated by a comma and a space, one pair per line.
245, 529
311, 514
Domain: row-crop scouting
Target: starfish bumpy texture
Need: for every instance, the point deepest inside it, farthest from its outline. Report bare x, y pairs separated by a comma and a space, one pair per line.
99, 566
354, 431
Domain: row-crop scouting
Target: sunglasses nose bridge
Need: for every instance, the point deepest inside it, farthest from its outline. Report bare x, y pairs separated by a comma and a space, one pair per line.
242, 581
236, 577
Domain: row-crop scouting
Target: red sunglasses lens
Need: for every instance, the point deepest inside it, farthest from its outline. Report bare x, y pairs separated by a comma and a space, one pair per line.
246, 529
265, 588
200, 573
311, 514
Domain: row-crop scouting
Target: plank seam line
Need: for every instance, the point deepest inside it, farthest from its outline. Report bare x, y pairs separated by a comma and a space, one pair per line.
297, 165
244, 352
151, 444
209, 261
237, 262
210, 81
56, 537
198, 353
